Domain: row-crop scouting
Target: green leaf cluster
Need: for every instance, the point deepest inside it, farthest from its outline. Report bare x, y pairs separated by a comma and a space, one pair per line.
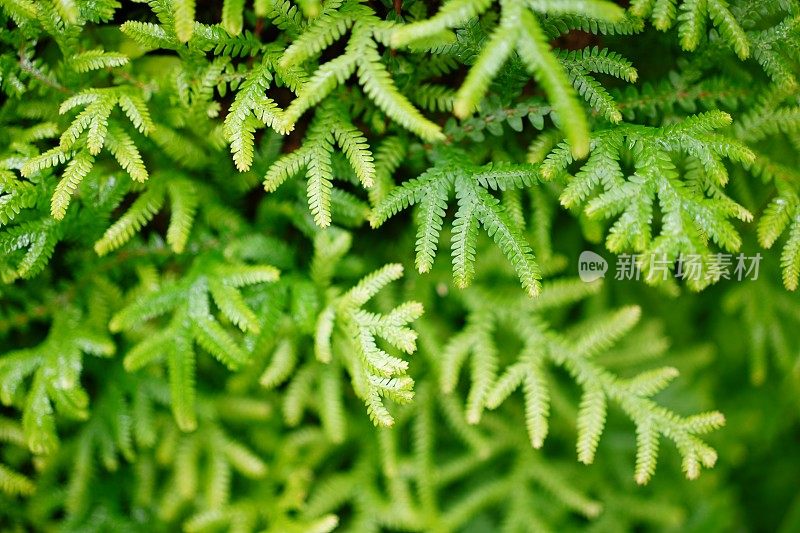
223, 304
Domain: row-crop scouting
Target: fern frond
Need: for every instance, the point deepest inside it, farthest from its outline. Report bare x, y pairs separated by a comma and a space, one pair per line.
378, 86
97, 59
180, 359
126, 153
192, 323
693, 20
320, 34
232, 18
452, 14
54, 367
591, 421
77, 169
475, 205
140, 213
500, 227
183, 11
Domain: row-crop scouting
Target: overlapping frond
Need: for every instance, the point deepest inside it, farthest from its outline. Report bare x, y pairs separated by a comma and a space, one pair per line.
690, 216
193, 322
475, 205
518, 29
577, 353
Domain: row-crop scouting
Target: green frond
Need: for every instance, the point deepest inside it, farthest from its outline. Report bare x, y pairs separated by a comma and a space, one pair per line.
216, 341
729, 27
320, 175
321, 83
434, 97
646, 452
245, 275
39, 237
537, 405
17, 196
67, 10
323, 334
77, 169
693, 20
320, 34
591, 421
601, 10
371, 284
664, 14
355, 147
297, 394
431, 216
140, 213
410, 193
233, 306
511, 379
329, 126
329, 248
580, 64
535, 52
484, 364
493, 55
216, 39
376, 374
180, 359
152, 349
651, 382
281, 366
126, 153
464, 237
183, 202
97, 59
475, 205
790, 257
232, 18
180, 147
21, 11
625, 25
500, 227
452, 14
240, 125
54, 367
284, 15
693, 23
134, 107
13, 483
604, 333
183, 11
329, 391
379, 87
332, 410
601, 61
193, 322
627, 199
284, 168
94, 118
146, 307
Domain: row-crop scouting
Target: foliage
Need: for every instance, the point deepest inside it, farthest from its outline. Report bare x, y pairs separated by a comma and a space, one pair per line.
210, 318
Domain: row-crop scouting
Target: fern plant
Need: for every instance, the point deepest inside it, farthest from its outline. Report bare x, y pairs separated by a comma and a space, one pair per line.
223, 306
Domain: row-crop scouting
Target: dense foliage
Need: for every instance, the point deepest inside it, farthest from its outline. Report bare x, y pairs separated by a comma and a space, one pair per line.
224, 305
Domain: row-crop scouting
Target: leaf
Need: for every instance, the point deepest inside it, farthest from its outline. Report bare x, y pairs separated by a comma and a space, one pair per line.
591, 421
76, 170
97, 59
232, 16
